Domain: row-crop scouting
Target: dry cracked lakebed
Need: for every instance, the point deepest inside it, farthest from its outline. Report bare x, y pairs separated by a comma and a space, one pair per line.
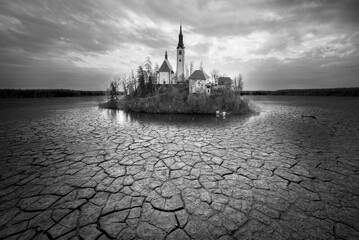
85, 173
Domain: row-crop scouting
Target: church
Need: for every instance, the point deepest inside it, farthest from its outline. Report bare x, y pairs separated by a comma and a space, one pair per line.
165, 73
199, 81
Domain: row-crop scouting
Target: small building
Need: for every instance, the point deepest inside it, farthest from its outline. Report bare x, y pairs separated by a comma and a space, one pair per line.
165, 73
198, 82
225, 81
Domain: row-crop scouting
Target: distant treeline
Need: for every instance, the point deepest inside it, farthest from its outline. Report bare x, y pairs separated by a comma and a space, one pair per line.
44, 93
348, 92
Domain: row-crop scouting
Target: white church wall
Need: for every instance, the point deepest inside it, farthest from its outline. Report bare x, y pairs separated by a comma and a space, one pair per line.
164, 78
180, 64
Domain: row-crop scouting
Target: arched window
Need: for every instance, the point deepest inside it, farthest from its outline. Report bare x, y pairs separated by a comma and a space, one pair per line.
179, 52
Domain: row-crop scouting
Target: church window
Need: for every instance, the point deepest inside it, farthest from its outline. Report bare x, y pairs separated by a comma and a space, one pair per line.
179, 52
179, 60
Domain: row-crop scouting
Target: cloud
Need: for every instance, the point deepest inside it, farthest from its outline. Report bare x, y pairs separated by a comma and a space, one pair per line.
274, 44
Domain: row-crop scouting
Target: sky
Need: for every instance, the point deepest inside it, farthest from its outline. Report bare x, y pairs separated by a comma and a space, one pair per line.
273, 44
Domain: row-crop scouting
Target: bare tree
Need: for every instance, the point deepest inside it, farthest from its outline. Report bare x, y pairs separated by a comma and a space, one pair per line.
148, 69
130, 85
215, 75
112, 90
141, 91
155, 70
123, 82
133, 80
191, 68
238, 83
187, 71
147, 65
119, 83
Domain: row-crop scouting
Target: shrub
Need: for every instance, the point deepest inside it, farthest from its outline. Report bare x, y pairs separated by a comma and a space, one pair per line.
170, 100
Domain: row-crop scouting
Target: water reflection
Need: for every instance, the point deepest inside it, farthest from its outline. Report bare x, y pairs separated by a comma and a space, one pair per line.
116, 115
208, 120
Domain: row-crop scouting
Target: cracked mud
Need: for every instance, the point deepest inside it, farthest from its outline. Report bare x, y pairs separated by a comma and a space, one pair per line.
78, 174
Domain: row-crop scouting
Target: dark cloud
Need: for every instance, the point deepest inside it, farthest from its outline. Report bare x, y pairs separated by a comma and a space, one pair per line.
294, 17
309, 73
35, 73
71, 26
53, 43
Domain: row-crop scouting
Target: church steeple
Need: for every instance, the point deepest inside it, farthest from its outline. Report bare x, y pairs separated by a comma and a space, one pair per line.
180, 57
180, 38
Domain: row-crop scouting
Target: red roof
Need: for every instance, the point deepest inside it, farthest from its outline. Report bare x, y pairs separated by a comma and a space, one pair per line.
199, 75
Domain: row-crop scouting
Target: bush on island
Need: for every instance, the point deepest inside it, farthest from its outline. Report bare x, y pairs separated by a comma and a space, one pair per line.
170, 99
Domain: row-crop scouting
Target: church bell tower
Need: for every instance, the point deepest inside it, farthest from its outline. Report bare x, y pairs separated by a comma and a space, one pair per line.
180, 57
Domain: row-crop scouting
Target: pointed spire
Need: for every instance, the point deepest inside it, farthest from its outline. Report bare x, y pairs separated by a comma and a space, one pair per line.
180, 27
180, 38
166, 55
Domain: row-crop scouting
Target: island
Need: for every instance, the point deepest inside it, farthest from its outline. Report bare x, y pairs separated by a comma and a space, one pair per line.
160, 90
178, 99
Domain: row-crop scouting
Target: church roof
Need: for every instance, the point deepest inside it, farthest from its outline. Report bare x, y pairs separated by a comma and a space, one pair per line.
199, 75
166, 66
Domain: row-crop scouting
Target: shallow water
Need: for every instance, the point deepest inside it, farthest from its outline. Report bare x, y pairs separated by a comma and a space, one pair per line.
68, 168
